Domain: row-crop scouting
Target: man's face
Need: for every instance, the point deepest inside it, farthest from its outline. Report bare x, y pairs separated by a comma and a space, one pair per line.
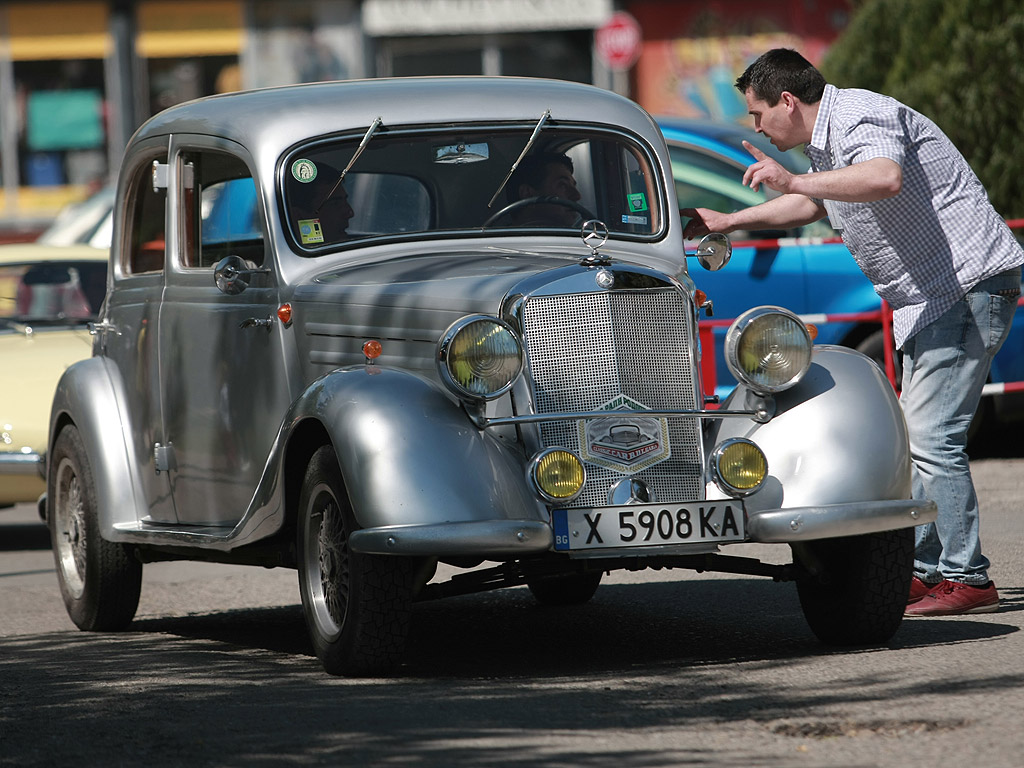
336, 211
559, 182
777, 122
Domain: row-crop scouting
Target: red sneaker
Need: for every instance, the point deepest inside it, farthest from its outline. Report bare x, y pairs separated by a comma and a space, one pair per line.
952, 598
919, 589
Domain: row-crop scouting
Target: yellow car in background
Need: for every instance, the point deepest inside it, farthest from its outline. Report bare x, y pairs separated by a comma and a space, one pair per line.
48, 295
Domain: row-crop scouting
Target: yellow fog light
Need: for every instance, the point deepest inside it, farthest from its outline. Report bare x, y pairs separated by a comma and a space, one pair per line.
738, 467
558, 474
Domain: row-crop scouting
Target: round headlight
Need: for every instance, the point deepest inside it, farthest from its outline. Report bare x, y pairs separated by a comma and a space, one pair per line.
768, 349
479, 357
558, 474
738, 466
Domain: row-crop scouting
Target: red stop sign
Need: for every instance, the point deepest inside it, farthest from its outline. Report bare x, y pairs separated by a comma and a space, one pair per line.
618, 41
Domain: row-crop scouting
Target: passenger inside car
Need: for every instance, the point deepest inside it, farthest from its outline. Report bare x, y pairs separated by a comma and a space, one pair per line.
320, 210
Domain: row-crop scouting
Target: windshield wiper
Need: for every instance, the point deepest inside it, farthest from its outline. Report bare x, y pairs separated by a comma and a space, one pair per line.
355, 156
533, 138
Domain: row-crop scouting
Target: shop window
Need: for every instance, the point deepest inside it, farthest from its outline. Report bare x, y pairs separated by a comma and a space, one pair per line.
566, 55
63, 139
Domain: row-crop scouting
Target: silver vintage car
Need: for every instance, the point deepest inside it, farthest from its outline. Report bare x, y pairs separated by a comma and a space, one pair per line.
361, 329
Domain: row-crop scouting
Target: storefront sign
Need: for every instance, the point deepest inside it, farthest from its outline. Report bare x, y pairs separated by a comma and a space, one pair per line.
390, 18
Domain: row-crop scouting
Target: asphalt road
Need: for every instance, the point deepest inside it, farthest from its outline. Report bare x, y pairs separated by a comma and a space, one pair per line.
666, 668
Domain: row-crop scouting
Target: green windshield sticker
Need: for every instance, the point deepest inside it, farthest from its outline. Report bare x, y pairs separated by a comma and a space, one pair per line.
637, 202
303, 170
310, 231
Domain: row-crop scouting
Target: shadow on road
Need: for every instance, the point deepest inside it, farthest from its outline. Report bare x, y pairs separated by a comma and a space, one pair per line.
483, 673
506, 634
21, 537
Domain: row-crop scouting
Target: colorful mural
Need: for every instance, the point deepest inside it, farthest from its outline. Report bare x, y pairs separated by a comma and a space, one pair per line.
694, 51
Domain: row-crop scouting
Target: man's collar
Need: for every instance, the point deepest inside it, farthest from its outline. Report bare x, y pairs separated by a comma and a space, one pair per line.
819, 136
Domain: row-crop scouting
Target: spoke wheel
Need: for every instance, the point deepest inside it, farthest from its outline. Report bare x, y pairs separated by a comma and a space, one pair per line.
854, 589
99, 580
357, 606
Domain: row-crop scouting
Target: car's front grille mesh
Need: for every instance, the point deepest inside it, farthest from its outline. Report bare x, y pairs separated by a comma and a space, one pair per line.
584, 350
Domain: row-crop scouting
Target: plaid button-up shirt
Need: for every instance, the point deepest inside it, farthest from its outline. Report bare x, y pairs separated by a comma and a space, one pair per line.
926, 247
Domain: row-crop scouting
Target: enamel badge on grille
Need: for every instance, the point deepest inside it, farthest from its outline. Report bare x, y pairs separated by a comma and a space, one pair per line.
624, 443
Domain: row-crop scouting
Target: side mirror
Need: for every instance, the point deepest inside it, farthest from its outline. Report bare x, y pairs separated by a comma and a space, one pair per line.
714, 251
233, 275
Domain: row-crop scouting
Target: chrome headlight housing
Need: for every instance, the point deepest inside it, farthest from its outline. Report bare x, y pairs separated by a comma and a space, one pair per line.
479, 357
738, 466
558, 475
768, 349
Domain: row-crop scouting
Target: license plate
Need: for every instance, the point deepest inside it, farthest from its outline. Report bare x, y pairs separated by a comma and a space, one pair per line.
646, 525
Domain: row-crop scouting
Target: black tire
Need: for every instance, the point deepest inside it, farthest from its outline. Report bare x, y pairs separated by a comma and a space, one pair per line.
99, 580
874, 347
854, 589
574, 589
358, 607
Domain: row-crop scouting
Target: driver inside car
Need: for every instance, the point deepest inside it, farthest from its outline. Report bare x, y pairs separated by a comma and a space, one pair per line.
545, 174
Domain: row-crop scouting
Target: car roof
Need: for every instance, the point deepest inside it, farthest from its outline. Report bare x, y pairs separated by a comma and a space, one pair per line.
727, 139
21, 253
271, 120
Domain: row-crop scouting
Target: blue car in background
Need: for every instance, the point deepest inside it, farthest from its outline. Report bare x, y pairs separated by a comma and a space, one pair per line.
807, 270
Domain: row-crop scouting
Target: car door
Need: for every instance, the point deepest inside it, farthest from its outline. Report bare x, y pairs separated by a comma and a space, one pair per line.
224, 392
127, 331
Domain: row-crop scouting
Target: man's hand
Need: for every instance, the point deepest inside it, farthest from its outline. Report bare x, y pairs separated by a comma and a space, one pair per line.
702, 221
766, 171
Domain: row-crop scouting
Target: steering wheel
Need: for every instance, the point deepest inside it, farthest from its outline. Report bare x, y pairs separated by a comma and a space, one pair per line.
540, 200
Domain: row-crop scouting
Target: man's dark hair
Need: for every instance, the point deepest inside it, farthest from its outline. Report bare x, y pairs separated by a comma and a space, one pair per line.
532, 171
782, 69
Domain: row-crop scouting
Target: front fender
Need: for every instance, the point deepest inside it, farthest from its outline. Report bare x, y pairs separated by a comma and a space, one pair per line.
411, 456
88, 394
837, 437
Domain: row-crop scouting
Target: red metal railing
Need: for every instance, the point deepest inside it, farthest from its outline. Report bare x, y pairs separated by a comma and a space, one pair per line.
882, 315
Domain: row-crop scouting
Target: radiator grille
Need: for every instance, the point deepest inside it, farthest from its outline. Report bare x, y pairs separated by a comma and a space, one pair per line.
584, 350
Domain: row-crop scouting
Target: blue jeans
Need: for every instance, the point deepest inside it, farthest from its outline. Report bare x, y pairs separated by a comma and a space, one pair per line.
945, 366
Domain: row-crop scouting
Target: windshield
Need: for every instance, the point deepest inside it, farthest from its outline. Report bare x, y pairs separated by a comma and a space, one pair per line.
470, 183
57, 292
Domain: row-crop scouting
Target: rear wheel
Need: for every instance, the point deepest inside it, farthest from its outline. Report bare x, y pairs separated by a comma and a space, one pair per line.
99, 580
574, 589
854, 589
874, 347
357, 606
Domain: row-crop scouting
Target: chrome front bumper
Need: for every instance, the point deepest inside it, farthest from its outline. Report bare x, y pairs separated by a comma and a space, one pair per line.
514, 538
12, 463
834, 520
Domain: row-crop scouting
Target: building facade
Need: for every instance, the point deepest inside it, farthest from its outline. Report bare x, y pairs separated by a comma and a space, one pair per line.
77, 77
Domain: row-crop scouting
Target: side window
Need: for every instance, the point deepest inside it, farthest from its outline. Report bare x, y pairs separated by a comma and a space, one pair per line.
219, 210
146, 237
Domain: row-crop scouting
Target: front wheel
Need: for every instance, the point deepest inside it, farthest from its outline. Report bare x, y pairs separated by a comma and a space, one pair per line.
357, 606
854, 589
99, 580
